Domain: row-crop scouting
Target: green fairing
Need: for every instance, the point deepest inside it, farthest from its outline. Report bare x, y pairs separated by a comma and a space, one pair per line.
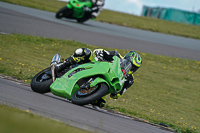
110, 73
98, 80
69, 6
77, 6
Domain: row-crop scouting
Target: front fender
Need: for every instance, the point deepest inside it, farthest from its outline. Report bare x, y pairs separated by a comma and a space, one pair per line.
69, 6
98, 80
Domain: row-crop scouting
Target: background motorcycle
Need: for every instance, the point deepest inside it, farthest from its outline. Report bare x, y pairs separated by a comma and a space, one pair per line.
75, 9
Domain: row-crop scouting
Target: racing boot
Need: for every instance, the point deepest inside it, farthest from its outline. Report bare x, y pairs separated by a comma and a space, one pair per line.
115, 95
67, 63
99, 103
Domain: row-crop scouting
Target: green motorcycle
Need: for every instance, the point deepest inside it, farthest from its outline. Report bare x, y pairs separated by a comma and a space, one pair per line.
82, 84
75, 9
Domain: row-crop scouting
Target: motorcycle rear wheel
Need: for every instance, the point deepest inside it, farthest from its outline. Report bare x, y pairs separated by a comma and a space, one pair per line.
82, 20
100, 91
41, 84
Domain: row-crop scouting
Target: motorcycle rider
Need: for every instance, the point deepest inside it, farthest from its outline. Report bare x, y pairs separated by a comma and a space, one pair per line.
129, 64
97, 7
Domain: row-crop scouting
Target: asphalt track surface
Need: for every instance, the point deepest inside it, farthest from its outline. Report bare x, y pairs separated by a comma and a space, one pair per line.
20, 96
22, 20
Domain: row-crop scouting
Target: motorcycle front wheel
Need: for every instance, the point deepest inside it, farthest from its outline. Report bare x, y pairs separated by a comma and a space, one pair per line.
41, 82
83, 97
64, 12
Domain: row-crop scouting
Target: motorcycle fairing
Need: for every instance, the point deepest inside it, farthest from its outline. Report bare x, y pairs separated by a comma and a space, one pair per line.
109, 73
77, 6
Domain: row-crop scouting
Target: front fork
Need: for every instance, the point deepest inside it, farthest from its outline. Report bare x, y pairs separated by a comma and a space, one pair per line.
87, 84
55, 60
53, 72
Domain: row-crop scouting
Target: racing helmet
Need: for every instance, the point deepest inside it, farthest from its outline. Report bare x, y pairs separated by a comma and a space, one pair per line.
135, 60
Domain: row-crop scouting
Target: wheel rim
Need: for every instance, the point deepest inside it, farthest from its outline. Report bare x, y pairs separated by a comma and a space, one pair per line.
60, 15
84, 93
42, 77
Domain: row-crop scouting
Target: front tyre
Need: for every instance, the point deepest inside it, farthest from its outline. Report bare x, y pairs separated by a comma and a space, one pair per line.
41, 82
61, 12
64, 12
83, 97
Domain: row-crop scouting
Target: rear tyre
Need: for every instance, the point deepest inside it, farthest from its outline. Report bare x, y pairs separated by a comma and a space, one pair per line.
82, 20
83, 97
41, 82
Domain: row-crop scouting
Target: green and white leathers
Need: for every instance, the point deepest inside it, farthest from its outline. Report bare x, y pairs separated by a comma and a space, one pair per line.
88, 82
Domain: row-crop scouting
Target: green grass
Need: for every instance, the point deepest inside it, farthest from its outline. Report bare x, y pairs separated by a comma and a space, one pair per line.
118, 18
18, 121
166, 89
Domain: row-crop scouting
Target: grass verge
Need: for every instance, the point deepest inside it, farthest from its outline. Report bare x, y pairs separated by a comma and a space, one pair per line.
166, 89
15, 120
151, 24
